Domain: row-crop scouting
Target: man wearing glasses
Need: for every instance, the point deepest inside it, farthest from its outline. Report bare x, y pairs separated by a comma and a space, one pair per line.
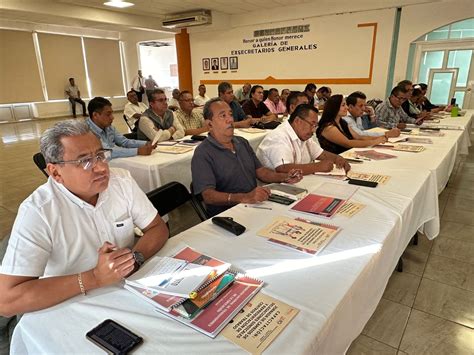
100, 123
192, 120
390, 113
291, 145
75, 233
158, 124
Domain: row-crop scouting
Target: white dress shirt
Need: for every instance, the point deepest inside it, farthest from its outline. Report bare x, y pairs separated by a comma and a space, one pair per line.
200, 101
283, 146
56, 233
130, 109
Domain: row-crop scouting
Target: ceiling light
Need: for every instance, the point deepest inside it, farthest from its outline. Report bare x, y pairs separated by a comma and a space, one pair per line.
119, 3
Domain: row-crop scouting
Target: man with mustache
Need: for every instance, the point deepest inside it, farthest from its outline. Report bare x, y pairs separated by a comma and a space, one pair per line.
75, 233
225, 168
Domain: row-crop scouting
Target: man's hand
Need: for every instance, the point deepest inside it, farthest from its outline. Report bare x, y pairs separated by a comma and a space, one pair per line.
394, 132
294, 176
172, 130
146, 149
113, 264
324, 166
257, 195
401, 125
342, 163
420, 120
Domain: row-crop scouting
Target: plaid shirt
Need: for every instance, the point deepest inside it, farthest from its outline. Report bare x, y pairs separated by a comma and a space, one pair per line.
389, 116
192, 121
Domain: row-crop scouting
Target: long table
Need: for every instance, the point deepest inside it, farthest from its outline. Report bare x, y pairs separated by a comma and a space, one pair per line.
337, 291
158, 168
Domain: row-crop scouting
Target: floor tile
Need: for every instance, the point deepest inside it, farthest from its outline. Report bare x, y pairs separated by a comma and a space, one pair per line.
424, 244
456, 202
458, 231
387, 323
445, 301
414, 261
364, 345
402, 288
459, 216
454, 249
450, 271
427, 334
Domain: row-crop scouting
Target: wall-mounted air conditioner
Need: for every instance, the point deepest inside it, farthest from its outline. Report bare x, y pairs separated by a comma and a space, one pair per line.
196, 18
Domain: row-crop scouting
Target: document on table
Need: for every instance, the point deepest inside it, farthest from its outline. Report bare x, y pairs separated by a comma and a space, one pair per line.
379, 178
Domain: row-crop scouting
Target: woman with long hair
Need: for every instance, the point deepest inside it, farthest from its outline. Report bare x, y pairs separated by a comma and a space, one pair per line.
333, 132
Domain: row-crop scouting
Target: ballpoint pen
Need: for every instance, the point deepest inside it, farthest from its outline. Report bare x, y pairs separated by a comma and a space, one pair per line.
259, 207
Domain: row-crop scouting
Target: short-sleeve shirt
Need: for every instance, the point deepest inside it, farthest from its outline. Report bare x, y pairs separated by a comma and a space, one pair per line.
192, 121
283, 146
255, 111
237, 112
214, 166
56, 233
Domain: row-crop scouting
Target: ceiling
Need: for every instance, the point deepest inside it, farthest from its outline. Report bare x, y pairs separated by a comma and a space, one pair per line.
147, 14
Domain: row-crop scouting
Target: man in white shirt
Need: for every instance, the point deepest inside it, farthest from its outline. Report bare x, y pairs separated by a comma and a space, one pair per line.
290, 145
75, 233
138, 85
157, 123
361, 117
74, 95
133, 110
242, 94
202, 98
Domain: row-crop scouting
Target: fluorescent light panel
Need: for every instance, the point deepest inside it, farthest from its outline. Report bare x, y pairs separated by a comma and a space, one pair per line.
118, 3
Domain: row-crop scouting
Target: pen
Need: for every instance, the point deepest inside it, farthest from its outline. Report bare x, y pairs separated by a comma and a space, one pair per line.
259, 207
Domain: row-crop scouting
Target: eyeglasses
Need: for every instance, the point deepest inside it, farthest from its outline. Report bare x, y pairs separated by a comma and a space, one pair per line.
162, 100
312, 125
401, 99
88, 163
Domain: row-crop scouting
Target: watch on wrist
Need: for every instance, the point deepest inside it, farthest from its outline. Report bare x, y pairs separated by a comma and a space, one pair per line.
139, 259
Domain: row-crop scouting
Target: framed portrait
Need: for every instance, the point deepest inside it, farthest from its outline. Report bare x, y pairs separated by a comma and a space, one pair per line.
214, 63
234, 63
206, 64
224, 63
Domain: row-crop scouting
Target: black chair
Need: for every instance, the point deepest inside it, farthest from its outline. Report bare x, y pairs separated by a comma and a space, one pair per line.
128, 124
171, 196
199, 202
132, 135
40, 163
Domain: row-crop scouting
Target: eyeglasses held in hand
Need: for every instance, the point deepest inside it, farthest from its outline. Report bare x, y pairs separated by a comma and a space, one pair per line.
88, 163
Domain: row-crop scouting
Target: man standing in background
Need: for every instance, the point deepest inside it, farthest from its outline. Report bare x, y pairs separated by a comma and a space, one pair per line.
74, 95
150, 85
138, 85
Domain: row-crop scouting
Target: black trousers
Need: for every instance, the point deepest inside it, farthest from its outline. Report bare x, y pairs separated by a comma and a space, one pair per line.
73, 105
139, 95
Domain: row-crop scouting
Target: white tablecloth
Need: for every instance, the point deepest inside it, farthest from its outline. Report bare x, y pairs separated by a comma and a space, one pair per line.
158, 168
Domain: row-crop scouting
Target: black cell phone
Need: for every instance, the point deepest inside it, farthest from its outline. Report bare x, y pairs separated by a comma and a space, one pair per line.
114, 338
229, 224
363, 183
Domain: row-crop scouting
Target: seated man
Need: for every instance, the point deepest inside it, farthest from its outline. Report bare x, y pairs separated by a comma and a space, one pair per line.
390, 113
273, 102
255, 106
158, 123
100, 123
202, 98
284, 95
310, 91
75, 233
426, 105
291, 145
407, 105
243, 94
224, 167
191, 120
226, 93
294, 100
133, 110
360, 115
322, 95
173, 104
74, 95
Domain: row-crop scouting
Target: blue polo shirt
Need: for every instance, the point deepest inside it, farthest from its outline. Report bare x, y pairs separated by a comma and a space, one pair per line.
214, 166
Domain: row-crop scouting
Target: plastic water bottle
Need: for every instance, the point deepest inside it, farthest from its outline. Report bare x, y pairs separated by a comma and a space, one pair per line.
455, 111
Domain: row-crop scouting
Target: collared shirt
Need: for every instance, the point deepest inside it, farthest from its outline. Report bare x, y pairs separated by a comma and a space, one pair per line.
192, 121
150, 84
356, 125
73, 91
151, 126
173, 102
56, 233
200, 101
131, 109
283, 146
389, 116
255, 111
138, 83
237, 112
111, 139
277, 109
240, 96
214, 166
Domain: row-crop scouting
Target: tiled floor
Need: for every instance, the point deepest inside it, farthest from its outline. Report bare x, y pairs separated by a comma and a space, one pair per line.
426, 309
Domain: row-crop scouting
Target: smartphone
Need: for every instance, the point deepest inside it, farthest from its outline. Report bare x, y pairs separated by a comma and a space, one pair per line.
363, 183
114, 338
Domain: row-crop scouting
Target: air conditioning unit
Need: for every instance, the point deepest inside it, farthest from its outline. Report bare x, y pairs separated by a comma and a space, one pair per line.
196, 18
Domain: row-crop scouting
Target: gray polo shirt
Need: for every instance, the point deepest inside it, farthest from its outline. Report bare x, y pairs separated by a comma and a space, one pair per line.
214, 166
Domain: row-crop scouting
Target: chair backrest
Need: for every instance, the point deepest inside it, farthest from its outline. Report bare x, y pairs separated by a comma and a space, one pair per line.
40, 163
170, 196
128, 124
132, 135
199, 203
